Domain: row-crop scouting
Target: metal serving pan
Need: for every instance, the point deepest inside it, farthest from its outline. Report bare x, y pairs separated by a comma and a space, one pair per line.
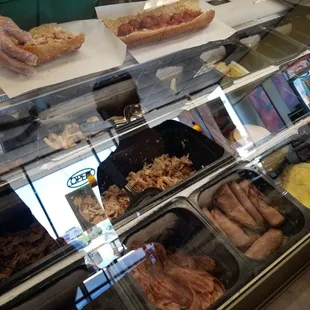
177, 225
297, 217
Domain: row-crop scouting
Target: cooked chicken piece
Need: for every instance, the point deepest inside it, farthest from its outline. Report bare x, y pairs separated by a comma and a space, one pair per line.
209, 215
68, 138
272, 216
244, 184
239, 238
253, 235
247, 204
266, 245
229, 204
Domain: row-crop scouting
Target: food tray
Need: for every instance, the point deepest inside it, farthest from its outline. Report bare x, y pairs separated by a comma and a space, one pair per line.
245, 58
170, 137
300, 26
35, 268
273, 47
293, 150
178, 225
75, 270
297, 217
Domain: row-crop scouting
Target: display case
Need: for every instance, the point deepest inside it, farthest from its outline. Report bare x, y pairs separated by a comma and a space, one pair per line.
163, 171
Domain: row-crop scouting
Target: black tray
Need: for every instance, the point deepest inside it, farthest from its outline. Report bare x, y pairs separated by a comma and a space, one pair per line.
191, 233
34, 292
33, 269
297, 217
170, 137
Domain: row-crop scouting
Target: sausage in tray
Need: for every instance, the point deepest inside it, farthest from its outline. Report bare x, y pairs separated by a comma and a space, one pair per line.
248, 219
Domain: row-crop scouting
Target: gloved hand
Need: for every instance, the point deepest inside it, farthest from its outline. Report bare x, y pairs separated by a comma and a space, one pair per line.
12, 56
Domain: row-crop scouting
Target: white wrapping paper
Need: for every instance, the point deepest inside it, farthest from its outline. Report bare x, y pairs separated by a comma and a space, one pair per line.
217, 30
101, 51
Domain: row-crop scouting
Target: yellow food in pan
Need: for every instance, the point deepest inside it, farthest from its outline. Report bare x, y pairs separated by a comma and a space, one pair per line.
296, 180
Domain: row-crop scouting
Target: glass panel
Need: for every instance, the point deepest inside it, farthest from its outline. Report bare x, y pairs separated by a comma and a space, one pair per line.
163, 150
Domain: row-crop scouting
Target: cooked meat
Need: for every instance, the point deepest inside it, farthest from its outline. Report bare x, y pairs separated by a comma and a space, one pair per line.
206, 211
247, 204
163, 173
68, 138
229, 204
20, 249
272, 216
266, 245
244, 184
175, 281
203, 263
285, 239
90, 209
182, 260
199, 281
232, 230
253, 235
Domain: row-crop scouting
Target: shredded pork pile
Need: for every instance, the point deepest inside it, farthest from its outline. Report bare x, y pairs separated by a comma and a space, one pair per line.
178, 281
18, 250
163, 173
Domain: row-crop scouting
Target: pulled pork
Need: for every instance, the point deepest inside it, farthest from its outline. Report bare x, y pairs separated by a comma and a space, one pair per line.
163, 173
176, 281
24, 248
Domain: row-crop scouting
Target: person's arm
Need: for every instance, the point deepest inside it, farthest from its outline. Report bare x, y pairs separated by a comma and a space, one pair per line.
11, 56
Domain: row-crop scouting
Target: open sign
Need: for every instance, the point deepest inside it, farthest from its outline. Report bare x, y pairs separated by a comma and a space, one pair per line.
80, 178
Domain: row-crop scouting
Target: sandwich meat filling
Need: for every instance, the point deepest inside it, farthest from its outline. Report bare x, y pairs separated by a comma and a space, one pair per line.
48, 33
153, 22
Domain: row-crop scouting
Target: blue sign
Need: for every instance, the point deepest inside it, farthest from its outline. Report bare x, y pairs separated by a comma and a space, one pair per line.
80, 178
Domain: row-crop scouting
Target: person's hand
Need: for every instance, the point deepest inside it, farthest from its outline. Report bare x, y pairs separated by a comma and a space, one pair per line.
12, 56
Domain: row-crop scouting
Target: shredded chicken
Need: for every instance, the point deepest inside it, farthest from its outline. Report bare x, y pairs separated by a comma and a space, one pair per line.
90, 209
163, 173
48, 33
68, 138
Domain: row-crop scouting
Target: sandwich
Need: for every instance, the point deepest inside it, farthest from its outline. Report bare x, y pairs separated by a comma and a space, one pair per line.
160, 23
50, 41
